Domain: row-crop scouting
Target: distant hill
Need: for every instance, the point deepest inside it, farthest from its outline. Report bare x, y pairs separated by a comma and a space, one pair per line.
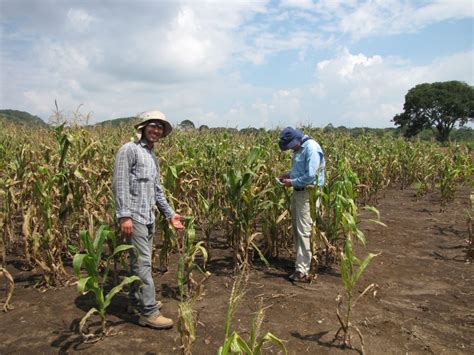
116, 122
21, 117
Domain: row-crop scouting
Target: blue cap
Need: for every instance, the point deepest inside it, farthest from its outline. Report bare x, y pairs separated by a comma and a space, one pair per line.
289, 138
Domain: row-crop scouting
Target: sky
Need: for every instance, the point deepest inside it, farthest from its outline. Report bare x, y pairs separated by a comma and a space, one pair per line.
231, 63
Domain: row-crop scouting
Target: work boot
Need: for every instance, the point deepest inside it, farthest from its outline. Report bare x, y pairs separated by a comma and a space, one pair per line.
299, 277
156, 321
133, 310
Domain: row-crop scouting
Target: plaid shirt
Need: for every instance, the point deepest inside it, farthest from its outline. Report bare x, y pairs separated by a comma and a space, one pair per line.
136, 184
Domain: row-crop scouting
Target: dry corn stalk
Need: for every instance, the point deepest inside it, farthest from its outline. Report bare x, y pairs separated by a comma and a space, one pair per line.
10, 286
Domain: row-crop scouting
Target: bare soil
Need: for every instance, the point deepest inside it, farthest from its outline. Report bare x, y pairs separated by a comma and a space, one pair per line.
424, 302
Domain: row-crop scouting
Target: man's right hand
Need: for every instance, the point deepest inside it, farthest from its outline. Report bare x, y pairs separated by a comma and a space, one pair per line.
126, 226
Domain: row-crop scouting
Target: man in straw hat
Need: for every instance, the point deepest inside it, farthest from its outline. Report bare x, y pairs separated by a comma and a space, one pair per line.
137, 189
307, 169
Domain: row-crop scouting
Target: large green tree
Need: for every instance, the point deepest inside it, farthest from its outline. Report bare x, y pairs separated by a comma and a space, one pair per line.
186, 125
439, 106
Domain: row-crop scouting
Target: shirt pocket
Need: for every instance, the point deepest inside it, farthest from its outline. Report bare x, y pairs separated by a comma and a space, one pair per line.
143, 177
299, 159
138, 183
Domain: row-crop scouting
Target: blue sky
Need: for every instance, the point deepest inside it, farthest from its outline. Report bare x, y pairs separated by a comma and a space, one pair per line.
231, 63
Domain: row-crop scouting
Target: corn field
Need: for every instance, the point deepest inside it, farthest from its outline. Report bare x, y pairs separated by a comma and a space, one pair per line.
56, 186
55, 181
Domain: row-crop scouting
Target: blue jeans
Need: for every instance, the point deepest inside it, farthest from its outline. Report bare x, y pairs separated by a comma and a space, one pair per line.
143, 295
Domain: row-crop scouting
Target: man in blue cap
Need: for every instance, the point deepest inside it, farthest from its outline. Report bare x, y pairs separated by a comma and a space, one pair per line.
307, 169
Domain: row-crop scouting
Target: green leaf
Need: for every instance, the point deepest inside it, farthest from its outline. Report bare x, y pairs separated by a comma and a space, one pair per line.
118, 288
224, 349
348, 249
82, 284
272, 338
77, 263
173, 171
260, 254
199, 247
122, 248
360, 236
98, 243
345, 273
372, 209
377, 222
73, 249
238, 345
362, 267
84, 235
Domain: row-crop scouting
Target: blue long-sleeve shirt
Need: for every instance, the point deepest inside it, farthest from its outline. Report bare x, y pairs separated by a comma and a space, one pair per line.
136, 184
308, 165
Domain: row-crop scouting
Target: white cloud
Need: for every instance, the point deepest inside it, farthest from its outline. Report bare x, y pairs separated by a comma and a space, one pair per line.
197, 59
79, 19
438, 11
303, 4
370, 90
380, 17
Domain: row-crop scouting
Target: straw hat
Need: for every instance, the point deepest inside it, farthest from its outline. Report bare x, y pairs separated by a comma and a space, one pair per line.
150, 116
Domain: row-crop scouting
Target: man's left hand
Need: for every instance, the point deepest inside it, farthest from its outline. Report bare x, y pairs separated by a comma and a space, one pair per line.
176, 222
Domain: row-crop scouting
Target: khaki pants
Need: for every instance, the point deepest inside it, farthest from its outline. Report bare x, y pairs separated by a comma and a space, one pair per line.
301, 223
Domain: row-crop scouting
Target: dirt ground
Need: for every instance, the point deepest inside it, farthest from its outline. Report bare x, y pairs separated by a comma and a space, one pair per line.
424, 302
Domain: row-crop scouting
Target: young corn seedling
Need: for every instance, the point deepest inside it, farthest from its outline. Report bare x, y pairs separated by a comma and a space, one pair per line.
351, 270
234, 343
188, 252
190, 288
96, 276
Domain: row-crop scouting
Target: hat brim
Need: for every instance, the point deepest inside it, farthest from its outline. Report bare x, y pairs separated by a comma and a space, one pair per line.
167, 126
289, 145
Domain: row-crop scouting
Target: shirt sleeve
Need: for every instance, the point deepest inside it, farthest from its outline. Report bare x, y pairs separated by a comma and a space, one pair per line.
121, 181
160, 198
312, 162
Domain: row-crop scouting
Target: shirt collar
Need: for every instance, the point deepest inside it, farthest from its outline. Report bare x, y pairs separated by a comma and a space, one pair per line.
143, 144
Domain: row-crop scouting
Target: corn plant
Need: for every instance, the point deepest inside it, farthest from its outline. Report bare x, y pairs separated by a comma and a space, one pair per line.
243, 198
168, 242
337, 198
276, 224
470, 240
96, 275
190, 287
319, 240
448, 181
171, 184
351, 270
188, 251
454, 169
209, 215
234, 343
